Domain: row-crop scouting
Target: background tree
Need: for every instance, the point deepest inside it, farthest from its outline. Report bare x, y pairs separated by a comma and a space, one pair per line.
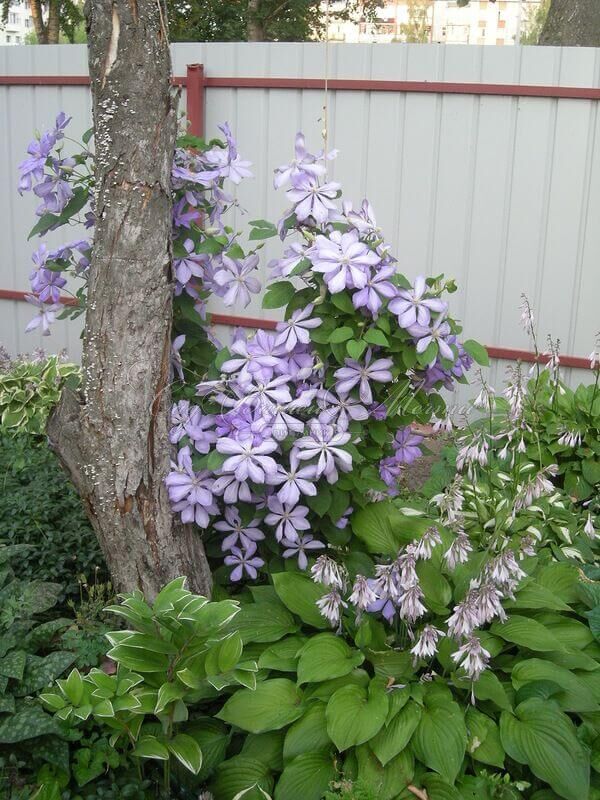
112, 438
533, 23
572, 23
417, 28
260, 20
51, 18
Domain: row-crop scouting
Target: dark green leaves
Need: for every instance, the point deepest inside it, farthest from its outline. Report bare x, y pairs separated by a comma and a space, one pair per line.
440, 740
278, 294
262, 229
300, 594
326, 656
355, 715
272, 705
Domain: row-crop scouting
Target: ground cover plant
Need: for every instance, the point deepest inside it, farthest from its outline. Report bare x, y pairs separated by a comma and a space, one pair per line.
437, 647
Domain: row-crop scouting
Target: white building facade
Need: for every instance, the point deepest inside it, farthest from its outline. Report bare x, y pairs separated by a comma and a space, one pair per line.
18, 24
441, 21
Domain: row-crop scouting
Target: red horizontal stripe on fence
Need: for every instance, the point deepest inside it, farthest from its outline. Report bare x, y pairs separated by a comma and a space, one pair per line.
427, 87
501, 353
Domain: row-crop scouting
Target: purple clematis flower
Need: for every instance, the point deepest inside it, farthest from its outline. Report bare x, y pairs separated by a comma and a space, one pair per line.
412, 307
236, 281
304, 163
47, 283
294, 481
32, 169
245, 535
437, 334
176, 360
231, 489
327, 447
45, 317
282, 267
342, 408
299, 547
297, 328
248, 461
189, 266
287, 519
190, 492
377, 288
389, 472
343, 259
363, 220
311, 199
243, 561
406, 446
356, 374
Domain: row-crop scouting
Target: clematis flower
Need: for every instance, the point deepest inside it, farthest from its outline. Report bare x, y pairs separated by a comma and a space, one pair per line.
297, 328
190, 492
343, 259
354, 374
248, 461
243, 561
286, 519
282, 267
303, 163
327, 447
342, 408
406, 446
299, 547
239, 535
437, 333
312, 200
32, 169
47, 283
412, 307
295, 481
363, 220
189, 266
376, 289
236, 280
45, 317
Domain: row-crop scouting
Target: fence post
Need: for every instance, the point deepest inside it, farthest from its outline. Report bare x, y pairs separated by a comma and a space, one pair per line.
195, 99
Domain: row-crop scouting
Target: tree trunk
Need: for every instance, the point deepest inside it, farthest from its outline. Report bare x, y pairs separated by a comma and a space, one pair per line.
113, 438
41, 32
254, 27
572, 23
53, 26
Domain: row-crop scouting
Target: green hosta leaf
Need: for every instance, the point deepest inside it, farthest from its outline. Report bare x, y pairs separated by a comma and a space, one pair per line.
389, 782
213, 738
488, 687
355, 715
326, 656
527, 633
436, 588
308, 734
439, 789
395, 736
278, 294
266, 748
575, 695
377, 526
307, 777
440, 740
283, 655
562, 579
532, 595
591, 471
237, 774
484, 738
272, 705
544, 739
150, 747
264, 622
187, 751
477, 352
300, 595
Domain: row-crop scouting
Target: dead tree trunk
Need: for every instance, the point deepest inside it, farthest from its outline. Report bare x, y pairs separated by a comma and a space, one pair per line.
112, 439
572, 23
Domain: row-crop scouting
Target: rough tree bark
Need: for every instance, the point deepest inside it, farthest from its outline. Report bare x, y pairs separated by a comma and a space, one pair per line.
572, 23
53, 26
39, 27
112, 438
254, 27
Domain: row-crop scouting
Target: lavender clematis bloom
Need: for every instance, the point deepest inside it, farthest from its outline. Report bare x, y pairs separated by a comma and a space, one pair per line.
342, 408
411, 307
343, 259
248, 461
299, 547
47, 283
437, 334
356, 374
294, 481
245, 535
231, 489
176, 361
377, 288
190, 492
32, 169
406, 446
363, 220
304, 163
282, 267
45, 317
243, 561
297, 328
189, 266
311, 199
286, 519
236, 280
327, 447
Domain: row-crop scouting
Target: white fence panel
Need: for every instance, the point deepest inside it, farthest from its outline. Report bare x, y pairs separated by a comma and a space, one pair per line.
500, 192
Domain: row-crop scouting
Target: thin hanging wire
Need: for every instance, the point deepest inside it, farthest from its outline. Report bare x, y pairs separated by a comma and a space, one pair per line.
325, 118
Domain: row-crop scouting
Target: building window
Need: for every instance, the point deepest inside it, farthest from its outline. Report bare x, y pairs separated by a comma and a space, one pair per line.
499, 41
8, 38
502, 23
13, 19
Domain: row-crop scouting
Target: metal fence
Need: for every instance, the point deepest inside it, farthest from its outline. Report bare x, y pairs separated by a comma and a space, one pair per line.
482, 163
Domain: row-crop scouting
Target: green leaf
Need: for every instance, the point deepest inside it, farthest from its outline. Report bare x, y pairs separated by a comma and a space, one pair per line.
440, 740
342, 301
527, 633
138, 659
355, 348
262, 230
488, 687
168, 693
320, 503
150, 747
265, 747
326, 656
13, 664
308, 734
28, 723
213, 738
532, 595
376, 337
283, 655
575, 695
439, 789
355, 715
389, 782
544, 739
279, 294
339, 335
484, 738
396, 735
477, 352
377, 526
591, 471
300, 595
307, 777
238, 774
272, 705
40, 672
72, 687
187, 751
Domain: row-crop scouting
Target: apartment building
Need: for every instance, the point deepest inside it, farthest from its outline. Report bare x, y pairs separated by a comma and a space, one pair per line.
18, 24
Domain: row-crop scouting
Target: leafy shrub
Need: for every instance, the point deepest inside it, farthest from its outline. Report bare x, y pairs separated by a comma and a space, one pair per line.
39, 507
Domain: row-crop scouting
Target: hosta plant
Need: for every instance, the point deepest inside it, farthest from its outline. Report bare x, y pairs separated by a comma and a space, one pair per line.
177, 655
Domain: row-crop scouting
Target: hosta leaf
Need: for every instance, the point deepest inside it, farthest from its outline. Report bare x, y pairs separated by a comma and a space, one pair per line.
300, 595
395, 736
238, 774
150, 747
440, 740
213, 737
272, 705
484, 738
266, 748
389, 782
355, 715
326, 656
489, 687
527, 633
439, 789
308, 734
575, 695
282, 655
307, 777
544, 739
378, 527
264, 622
